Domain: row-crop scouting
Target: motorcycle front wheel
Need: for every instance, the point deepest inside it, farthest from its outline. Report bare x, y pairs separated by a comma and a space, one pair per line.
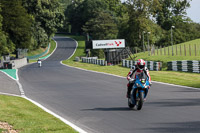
131, 106
141, 100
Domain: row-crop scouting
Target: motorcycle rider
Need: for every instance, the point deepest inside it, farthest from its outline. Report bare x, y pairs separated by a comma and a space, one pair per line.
39, 63
136, 70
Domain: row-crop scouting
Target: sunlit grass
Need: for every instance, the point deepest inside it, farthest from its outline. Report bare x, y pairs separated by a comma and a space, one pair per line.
164, 58
28, 118
178, 78
52, 47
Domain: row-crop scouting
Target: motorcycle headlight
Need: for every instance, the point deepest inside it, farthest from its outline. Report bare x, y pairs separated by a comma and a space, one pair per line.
138, 85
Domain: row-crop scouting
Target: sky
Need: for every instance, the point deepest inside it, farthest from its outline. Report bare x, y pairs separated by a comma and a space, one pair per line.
194, 11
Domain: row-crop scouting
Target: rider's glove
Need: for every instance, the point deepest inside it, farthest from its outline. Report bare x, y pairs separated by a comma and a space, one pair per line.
131, 80
150, 83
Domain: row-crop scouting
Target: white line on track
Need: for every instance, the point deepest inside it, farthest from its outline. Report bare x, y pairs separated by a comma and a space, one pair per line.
125, 77
39, 105
57, 116
121, 76
8, 75
61, 118
9, 94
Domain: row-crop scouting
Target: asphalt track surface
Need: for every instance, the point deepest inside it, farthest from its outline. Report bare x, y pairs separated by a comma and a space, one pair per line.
97, 104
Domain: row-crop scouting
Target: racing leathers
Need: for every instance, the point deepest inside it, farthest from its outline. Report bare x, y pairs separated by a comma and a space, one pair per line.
132, 75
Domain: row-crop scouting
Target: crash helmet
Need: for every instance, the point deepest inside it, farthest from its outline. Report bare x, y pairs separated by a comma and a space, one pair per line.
140, 64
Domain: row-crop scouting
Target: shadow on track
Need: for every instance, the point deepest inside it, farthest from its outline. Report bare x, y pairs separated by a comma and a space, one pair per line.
109, 109
177, 102
183, 127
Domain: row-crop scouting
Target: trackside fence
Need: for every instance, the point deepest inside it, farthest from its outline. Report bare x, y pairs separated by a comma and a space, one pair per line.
151, 65
185, 66
94, 60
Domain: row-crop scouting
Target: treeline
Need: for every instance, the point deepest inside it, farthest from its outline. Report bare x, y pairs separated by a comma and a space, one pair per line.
28, 24
132, 20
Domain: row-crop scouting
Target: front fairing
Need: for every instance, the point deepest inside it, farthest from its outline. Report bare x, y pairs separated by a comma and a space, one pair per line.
141, 85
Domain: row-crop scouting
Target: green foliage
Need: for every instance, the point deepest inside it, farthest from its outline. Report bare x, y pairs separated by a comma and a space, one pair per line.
16, 23
65, 3
48, 16
78, 13
132, 20
6, 45
171, 12
31, 23
102, 26
115, 6
139, 12
39, 35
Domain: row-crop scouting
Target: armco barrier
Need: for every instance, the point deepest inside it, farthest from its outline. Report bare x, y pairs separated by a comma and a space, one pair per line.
185, 66
151, 65
94, 60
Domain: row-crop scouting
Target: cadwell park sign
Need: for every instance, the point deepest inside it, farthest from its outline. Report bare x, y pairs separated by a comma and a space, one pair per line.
104, 44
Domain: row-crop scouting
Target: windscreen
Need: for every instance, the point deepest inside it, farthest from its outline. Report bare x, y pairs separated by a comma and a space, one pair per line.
142, 76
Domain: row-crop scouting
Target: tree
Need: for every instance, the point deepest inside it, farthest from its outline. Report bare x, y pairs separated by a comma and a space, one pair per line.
6, 45
48, 17
16, 23
103, 26
139, 12
65, 3
114, 6
78, 13
171, 12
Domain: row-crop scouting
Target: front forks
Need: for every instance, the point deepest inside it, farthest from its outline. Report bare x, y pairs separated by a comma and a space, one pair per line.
135, 95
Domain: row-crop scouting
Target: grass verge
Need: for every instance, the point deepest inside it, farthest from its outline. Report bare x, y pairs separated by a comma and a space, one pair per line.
36, 52
178, 78
52, 47
166, 58
28, 118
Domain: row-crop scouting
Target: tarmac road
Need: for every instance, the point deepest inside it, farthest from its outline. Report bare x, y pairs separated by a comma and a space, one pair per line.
97, 103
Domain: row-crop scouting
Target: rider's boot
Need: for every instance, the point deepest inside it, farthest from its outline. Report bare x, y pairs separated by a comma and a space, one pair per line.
129, 91
128, 95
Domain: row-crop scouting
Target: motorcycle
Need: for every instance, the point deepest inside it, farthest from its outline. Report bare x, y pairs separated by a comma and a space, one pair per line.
139, 91
39, 63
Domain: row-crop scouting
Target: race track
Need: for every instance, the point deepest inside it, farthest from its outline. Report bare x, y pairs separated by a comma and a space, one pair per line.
97, 103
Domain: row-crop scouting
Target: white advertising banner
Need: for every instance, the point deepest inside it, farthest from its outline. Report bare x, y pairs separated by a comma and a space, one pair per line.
102, 44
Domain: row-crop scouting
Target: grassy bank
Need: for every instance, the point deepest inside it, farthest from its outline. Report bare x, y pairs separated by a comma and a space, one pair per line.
25, 117
39, 51
166, 58
28, 118
179, 78
79, 51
